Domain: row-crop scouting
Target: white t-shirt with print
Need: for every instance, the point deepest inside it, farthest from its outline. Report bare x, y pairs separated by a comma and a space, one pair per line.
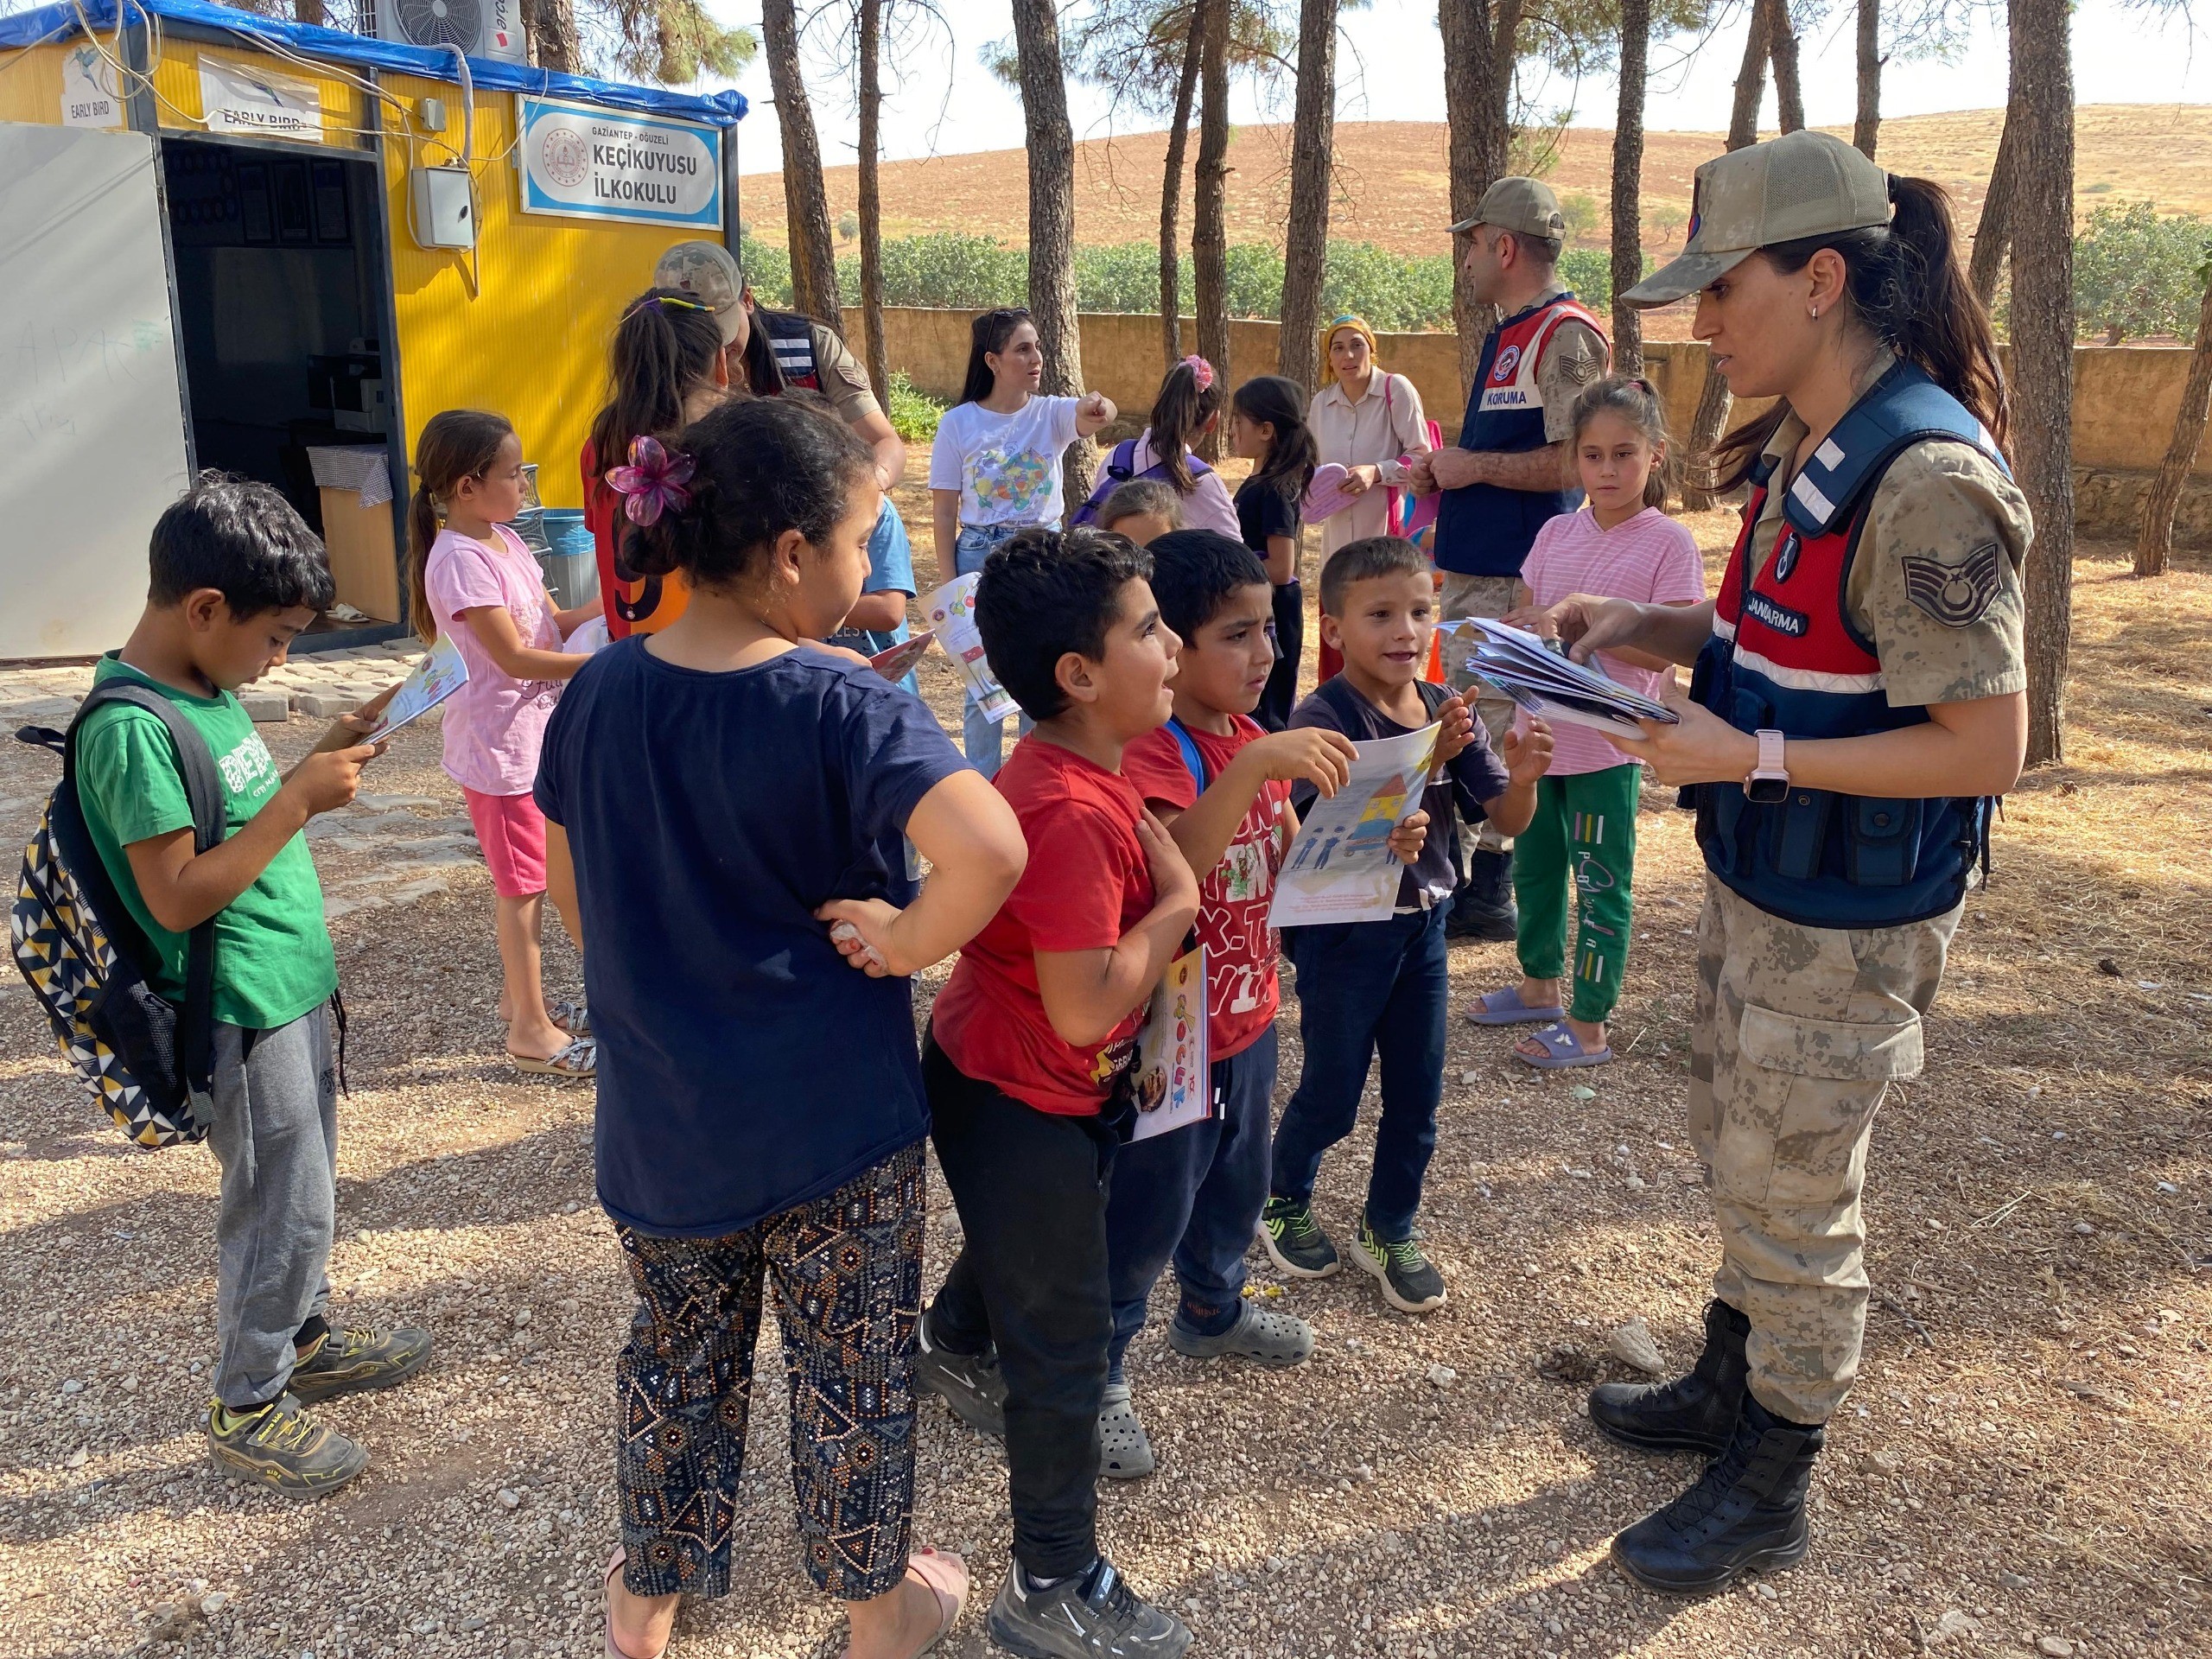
1007, 468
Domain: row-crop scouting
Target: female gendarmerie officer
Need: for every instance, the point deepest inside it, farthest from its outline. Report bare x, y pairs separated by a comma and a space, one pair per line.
1859, 696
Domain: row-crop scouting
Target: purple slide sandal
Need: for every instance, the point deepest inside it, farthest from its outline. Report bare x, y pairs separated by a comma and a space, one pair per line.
1562, 1049
1505, 1007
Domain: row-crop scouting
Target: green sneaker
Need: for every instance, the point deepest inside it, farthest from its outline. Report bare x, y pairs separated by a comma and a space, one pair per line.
1410, 1283
353, 1361
1294, 1240
282, 1449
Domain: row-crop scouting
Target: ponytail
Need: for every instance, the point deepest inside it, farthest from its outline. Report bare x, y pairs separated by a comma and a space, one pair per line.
1906, 284
457, 444
1272, 400
664, 349
1636, 400
1188, 399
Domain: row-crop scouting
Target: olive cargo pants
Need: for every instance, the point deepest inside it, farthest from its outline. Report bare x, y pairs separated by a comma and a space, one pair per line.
1797, 1035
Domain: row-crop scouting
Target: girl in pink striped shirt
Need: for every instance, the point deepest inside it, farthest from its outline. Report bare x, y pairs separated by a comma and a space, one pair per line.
1620, 545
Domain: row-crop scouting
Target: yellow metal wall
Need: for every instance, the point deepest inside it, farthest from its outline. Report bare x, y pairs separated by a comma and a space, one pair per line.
532, 343
30, 84
177, 89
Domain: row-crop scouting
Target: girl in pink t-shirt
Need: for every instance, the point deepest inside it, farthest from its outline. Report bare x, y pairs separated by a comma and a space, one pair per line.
474, 577
1621, 545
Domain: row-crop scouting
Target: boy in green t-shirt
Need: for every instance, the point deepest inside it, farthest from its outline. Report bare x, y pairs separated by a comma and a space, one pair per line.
236, 575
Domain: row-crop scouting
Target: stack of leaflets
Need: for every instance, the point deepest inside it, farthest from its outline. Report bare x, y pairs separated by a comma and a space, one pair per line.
1548, 684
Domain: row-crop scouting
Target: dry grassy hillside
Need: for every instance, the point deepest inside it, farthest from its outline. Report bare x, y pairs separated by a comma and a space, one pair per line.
1394, 186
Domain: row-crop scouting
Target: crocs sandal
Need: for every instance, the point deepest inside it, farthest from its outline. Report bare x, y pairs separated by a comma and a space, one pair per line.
607, 1598
944, 1575
1505, 1007
579, 1059
1124, 1451
1562, 1050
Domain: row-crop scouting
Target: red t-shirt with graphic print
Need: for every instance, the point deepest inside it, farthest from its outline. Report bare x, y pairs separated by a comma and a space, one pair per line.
1086, 884
1241, 989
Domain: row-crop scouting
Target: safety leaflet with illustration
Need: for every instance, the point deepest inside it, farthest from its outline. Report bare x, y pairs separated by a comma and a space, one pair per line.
952, 611
1548, 684
1341, 868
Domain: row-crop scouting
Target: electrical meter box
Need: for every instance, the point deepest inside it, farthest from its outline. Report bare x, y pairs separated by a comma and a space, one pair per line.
444, 208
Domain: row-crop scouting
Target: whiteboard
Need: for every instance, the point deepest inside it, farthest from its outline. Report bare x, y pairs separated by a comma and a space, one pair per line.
91, 421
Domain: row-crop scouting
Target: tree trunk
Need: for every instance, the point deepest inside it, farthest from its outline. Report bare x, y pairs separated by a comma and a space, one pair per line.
552, 26
1051, 219
871, 114
1993, 231
1781, 49
1713, 399
1171, 199
1478, 55
1867, 128
814, 255
312, 12
2042, 108
1312, 138
1628, 170
1209, 204
2154, 540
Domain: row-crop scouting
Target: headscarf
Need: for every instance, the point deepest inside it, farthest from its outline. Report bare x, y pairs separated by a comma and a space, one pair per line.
1358, 325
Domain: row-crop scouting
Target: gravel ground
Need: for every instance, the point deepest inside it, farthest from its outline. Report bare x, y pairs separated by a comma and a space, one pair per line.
2023, 1470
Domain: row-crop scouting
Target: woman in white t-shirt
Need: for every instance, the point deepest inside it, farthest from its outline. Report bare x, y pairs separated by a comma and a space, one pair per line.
995, 466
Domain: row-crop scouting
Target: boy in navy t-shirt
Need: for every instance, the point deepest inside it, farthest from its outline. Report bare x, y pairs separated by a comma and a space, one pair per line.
1026, 1043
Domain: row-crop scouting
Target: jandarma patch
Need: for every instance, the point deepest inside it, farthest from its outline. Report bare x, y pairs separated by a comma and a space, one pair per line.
1780, 618
1955, 594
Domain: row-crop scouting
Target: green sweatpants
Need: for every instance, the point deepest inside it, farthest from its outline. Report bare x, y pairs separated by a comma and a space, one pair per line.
1584, 832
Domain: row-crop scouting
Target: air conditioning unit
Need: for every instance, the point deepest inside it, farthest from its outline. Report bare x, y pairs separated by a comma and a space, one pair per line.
482, 28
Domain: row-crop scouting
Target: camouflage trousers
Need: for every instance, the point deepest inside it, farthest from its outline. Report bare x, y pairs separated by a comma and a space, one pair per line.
1492, 597
1799, 1032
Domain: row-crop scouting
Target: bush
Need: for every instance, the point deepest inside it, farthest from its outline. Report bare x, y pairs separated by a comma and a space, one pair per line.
913, 416
1125, 277
2135, 273
767, 270
1393, 293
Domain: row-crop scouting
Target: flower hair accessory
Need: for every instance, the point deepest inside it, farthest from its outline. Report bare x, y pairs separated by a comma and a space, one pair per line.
1201, 371
653, 482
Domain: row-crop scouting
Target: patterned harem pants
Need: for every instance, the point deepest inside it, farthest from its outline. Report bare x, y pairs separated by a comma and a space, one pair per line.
847, 1270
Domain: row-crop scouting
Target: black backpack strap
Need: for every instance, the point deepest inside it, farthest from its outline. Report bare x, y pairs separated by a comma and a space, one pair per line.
203, 791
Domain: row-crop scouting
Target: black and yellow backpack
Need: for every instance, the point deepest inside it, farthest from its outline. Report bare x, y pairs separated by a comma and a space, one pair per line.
142, 1056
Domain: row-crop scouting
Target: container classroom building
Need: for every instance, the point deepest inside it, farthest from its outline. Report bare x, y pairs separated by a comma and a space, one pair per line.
239, 243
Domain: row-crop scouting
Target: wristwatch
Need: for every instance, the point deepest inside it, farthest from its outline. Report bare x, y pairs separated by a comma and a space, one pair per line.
1769, 782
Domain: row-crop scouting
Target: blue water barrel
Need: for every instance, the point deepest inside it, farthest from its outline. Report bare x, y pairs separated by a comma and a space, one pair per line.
571, 561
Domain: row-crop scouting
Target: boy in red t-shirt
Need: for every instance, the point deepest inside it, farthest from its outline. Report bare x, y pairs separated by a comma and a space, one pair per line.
1024, 1045
1221, 783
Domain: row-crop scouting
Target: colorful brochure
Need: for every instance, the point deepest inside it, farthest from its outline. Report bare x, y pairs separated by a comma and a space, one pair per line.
952, 611
1170, 1075
442, 672
1341, 868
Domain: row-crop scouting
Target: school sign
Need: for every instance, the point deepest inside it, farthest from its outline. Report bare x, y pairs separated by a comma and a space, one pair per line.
579, 162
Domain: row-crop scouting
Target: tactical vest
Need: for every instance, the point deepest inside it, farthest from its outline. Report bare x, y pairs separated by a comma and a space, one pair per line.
1484, 529
1785, 655
792, 338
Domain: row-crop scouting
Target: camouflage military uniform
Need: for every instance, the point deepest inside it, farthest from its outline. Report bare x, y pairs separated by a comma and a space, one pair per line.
1573, 357
1799, 1031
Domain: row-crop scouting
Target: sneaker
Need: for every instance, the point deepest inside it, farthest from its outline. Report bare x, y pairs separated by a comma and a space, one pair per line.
969, 1383
1087, 1616
355, 1361
282, 1448
1265, 1337
1410, 1283
1294, 1240
1124, 1449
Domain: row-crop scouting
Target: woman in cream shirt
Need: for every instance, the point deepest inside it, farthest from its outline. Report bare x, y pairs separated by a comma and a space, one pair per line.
1365, 419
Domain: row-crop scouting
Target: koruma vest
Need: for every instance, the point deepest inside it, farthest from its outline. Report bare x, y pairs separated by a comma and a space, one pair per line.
1784, 654
1483, 529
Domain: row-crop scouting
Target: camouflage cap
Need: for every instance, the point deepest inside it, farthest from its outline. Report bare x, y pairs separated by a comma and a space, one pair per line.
708, 272
1525, 206
1802, 184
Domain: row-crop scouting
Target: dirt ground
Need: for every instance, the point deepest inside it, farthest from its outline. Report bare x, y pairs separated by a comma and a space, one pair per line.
1394, 186
2022, 1469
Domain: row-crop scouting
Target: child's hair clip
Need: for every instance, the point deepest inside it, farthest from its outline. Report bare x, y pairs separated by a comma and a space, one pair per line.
1201, 371
653, 482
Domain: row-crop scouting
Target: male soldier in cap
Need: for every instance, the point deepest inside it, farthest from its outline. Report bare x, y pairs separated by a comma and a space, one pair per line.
1510, 471
769, 352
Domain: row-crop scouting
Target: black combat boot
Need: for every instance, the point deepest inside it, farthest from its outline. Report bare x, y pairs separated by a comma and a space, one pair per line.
1695, 1413
1483, 907
1748, 1511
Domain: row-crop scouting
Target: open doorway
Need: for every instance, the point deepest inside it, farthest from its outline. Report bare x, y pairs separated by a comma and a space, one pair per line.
284, 302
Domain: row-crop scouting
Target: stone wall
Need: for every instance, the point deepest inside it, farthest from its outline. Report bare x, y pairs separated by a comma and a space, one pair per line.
2125, 398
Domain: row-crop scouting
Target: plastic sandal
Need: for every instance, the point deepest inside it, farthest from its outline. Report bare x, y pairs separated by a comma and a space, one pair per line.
1124, 1451
574, 1017
607, 1594
1505, 1007
944, 1575
1562, 1050
578, 1059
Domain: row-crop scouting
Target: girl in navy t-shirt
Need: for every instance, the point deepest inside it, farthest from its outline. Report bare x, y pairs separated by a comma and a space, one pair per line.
733, 798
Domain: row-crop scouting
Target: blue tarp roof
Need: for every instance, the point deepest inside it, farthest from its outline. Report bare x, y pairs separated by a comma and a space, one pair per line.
55, 22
